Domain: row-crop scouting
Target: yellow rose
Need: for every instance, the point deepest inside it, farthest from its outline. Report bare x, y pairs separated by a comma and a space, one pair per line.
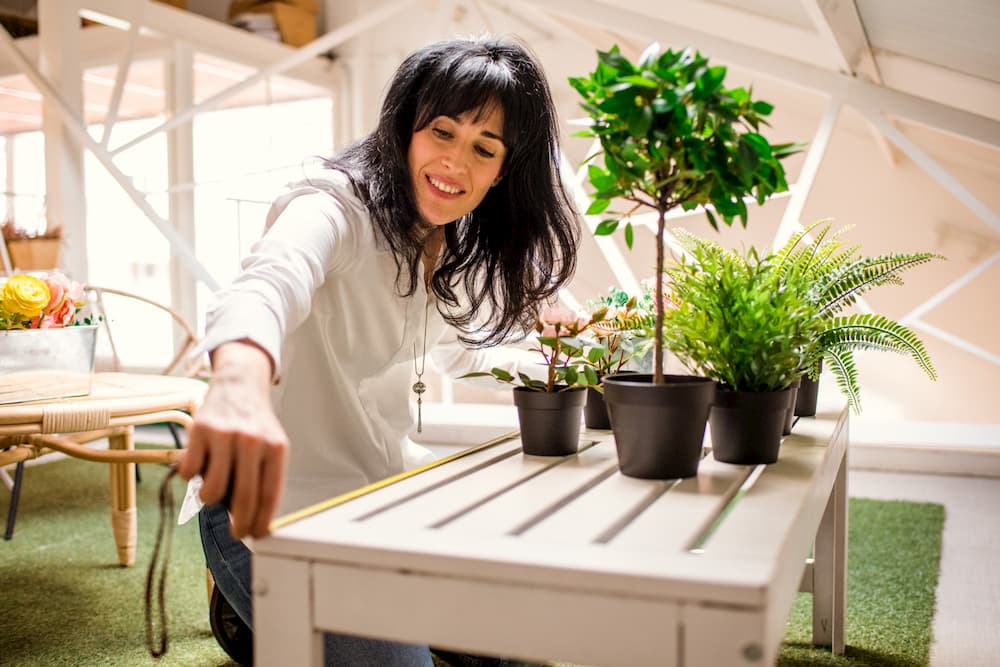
25, 295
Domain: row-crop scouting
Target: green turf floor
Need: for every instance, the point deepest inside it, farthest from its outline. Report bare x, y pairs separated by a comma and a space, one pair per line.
64, 600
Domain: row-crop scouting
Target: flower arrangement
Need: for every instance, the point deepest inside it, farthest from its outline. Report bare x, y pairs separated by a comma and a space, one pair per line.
40, 301
558, 340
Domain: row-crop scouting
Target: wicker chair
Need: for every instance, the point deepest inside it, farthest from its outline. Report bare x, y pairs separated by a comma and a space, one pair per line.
108, 303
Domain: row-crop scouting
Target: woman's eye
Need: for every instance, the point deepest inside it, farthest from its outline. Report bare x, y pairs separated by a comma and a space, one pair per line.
484, 151
442, 134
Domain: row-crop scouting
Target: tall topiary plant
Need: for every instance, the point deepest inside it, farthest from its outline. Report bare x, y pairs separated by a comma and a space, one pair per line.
672, 136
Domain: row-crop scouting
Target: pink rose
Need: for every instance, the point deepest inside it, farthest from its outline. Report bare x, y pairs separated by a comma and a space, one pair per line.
58, 285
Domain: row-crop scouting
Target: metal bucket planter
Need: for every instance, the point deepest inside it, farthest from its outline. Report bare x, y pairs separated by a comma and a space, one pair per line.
658, 429
41, 364
746, 425
550, 421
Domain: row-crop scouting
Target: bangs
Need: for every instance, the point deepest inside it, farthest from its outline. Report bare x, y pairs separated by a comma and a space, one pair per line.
476, 84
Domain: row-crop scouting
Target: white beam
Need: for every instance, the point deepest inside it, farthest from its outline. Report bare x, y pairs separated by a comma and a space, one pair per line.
206, 36
724, 21
65, 200
961, 122
619, 266
99, 46
312, 49
121, 76
958, 342
839, 26
792, 218
76, 128
934, 169
952, 288
179, 78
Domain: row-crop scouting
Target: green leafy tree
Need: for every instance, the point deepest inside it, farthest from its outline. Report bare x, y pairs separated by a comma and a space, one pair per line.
672, 136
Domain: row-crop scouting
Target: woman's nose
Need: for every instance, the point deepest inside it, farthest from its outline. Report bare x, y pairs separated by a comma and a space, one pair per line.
454, 158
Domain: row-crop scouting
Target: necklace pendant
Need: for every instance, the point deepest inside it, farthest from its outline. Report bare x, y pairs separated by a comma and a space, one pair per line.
419, 388
420, 416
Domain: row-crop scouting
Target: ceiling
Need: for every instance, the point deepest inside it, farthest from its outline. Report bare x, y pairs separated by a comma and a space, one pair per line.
945, 52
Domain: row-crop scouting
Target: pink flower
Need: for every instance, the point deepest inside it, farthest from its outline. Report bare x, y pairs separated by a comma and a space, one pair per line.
59, 285
559, 315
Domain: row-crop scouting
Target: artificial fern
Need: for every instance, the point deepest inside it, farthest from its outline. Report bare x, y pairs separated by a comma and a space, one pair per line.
839, 276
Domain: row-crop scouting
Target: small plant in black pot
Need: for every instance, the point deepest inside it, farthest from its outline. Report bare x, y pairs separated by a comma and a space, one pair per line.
612, 343
739, 321
549, 410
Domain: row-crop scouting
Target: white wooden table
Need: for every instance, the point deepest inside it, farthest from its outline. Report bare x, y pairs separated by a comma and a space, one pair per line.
494, 552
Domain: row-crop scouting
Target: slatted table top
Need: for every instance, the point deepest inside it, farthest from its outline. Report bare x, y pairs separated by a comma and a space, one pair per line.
492, 513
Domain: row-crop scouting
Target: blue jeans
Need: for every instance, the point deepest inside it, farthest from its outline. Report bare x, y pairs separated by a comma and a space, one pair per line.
229, 562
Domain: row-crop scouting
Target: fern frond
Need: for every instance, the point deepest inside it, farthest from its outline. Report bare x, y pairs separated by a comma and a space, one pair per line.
848, 282
841, 364
871, 331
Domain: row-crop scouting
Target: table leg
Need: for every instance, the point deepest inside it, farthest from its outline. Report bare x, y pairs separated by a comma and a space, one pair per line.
830, 568
123, 519
282, 603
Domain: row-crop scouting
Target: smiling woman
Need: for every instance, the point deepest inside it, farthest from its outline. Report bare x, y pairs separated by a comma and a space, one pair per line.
441, 234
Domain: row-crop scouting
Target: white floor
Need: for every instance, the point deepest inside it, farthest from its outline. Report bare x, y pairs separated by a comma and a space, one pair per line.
967, 618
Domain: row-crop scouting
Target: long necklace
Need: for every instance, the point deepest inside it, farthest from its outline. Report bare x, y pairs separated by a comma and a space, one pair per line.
419, 387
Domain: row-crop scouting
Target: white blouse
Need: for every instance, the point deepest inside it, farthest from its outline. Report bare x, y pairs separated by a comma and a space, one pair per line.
318, 294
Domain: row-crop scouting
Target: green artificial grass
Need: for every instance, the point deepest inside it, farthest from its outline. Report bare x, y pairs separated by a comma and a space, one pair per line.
64, 600
893, 562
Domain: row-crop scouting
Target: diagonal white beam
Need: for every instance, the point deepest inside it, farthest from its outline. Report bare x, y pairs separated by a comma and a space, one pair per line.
121, 76
75, 127
573, 181
791, 221
956, 341
951, 289
932, 167
311, 50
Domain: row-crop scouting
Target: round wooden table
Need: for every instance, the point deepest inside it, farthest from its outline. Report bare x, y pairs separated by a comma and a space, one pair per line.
116, 404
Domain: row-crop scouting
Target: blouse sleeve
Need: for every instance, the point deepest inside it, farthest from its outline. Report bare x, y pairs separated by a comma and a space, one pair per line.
310, 233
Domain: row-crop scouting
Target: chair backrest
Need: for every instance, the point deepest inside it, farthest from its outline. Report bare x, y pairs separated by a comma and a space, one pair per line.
105, 303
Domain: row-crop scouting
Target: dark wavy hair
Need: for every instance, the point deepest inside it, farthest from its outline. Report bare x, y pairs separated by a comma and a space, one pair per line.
518, 247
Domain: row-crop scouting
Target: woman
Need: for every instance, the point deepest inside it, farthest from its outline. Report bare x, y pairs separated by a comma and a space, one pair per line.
437, 235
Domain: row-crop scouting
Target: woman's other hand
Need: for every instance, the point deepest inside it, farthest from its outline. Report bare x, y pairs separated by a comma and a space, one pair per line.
236, 443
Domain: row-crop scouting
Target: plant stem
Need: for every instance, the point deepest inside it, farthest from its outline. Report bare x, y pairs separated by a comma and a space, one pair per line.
550, 385
658, 340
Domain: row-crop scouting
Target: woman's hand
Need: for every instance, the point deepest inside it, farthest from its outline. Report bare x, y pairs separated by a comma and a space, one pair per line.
236, 443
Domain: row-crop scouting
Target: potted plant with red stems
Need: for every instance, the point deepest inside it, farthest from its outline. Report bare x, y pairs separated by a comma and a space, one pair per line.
672, 136
549, 410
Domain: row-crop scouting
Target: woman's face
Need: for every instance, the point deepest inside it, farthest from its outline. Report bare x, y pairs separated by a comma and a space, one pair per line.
454, 162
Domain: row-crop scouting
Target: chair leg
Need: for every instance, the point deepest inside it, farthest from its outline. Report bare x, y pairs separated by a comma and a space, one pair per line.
176, 434
15, 496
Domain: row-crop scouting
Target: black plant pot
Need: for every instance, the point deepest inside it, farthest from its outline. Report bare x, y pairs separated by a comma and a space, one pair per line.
790, 410
550, 421
595, 412
658, 429
746, 425
805, 400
